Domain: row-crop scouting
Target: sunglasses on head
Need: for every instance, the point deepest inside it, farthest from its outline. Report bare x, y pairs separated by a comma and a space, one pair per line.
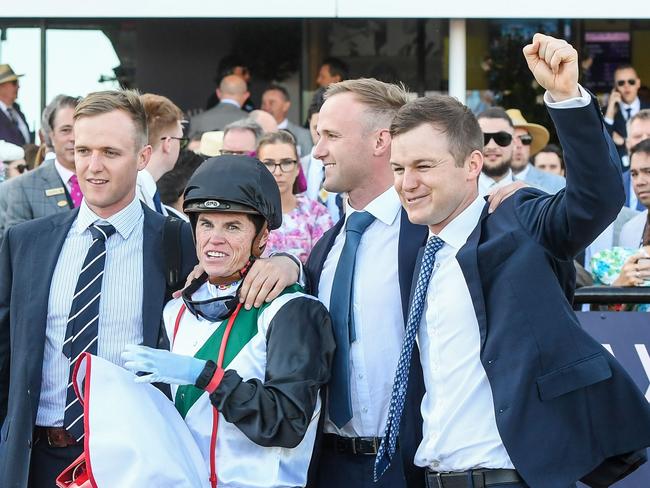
630, 82
212, 309
502, 138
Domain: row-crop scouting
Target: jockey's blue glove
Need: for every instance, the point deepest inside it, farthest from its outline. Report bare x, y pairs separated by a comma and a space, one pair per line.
161, 366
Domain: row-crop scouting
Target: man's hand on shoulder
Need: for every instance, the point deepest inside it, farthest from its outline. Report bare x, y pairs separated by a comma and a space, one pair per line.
554, 64
266, 279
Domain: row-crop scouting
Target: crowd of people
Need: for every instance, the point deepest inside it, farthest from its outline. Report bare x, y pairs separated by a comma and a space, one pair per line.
316, 258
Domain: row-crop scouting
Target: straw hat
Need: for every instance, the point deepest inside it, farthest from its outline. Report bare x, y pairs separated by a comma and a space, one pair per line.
7, 74
211, 143
538, 132
10, 152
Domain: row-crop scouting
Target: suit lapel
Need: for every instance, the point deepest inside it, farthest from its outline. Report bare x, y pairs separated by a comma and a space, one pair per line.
467, 258
319, 254
153, 295
49, 243
411, 238
54, 190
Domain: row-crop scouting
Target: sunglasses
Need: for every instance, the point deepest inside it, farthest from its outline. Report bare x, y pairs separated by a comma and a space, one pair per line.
525, 139
213, 309
502, 138
285, 165
630, 82
182, 141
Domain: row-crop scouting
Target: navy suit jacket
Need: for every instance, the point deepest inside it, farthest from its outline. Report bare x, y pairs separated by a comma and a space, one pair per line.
564, 406
411, 238
28, 257
9, 132
620, 126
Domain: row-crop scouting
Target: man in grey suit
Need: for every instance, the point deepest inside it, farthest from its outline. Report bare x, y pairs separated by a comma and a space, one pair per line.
276, 101
232, 92
52, 187
529, 139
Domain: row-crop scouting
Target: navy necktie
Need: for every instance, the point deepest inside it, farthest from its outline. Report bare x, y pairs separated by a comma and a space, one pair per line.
82, 327
157, 203
628, 110
389, 441
340, 405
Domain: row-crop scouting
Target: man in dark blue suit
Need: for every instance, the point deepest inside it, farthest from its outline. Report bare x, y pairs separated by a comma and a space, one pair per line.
13, 125
517, 394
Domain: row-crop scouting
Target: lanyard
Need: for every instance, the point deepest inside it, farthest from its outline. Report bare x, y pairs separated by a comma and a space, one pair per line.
215, 412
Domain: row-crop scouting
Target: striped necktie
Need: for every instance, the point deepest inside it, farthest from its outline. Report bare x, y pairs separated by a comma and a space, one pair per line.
388, 444
82, 327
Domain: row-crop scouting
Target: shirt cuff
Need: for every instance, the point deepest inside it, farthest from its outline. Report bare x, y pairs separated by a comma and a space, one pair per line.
577, 102
608, 121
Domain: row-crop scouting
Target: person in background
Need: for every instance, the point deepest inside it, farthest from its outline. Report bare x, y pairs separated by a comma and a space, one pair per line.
276, 101
13, 162
265, 120
13, 125
304, 220
550, 159
232, 93
172, 184
240, 137
332, 70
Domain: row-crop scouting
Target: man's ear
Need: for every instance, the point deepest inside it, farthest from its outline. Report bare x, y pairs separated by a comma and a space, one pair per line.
144, 156
474, 165
382, 142
264, 238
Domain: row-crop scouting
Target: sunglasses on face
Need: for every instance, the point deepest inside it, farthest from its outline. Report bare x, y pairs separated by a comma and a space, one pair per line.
630, 82
525, 139
285, 165
502, 138
182, 141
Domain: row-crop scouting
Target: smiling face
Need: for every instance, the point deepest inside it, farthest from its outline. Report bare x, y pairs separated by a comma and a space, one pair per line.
432, 187
497, 158
63, 137
223, 242
107, 160
276, 153
345, 145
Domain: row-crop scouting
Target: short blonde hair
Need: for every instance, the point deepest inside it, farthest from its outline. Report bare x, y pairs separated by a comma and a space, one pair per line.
162, 114
382, 100
128, 101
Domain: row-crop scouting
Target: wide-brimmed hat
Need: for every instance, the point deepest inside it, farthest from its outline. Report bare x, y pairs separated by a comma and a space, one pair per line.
538, 132
211, 143
7, 74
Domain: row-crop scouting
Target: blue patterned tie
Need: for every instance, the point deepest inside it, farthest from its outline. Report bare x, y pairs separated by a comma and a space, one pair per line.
340, 404
157, 202
82, 328
389, 441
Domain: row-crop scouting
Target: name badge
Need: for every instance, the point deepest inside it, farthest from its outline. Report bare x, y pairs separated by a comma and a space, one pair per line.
52, 192
62, 203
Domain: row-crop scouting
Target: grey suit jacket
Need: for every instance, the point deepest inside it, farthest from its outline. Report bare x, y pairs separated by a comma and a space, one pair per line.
543, 180
303, 138
38, 193
216, 118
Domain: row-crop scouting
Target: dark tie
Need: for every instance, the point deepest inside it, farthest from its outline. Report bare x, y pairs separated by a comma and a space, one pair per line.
628, 112
389, 441
14, 117
340, 405
157, 203
82, 327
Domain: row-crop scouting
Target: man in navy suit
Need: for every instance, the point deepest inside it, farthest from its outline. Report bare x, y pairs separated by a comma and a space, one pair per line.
623, 104
517, 394
13, 125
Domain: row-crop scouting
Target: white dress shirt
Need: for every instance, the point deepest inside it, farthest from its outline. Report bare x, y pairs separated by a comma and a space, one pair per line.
64, 173
459, 430
378, 319
120, 306
487, 184
459, 424
145, 190
632, 231
521, 176
634, 107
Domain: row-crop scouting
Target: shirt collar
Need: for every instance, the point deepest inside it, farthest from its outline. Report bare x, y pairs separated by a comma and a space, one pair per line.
386, 207
458, 230
124, 221
147, 182
486, 183
635, 105
521, 176
284, 124
230, 101
3, 106
64, 172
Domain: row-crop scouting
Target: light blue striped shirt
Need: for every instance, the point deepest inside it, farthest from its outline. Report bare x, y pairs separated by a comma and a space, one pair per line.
120, 306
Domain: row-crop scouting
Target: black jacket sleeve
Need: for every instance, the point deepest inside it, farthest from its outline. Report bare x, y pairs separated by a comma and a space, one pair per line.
277, 412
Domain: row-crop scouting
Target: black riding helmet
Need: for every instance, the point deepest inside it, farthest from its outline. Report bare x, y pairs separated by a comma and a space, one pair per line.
234, 183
